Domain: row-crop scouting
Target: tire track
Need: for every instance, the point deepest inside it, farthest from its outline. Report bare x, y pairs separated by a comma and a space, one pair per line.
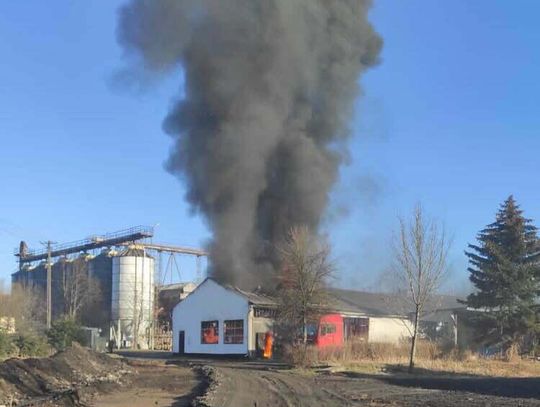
257, 386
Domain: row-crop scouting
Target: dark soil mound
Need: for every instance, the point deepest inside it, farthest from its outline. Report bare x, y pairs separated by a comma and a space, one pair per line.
49, 378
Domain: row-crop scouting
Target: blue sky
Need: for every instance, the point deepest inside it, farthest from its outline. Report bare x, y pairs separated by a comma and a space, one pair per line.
450, 118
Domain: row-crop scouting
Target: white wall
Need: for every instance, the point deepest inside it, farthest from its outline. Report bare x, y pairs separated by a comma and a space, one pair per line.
258, 325
209, 302
132, 287
388, 330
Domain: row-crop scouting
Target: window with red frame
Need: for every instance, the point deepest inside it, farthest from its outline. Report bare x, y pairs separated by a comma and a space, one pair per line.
209, 332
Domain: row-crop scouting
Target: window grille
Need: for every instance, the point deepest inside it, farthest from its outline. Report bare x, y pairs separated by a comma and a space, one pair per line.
265, 312
233, 331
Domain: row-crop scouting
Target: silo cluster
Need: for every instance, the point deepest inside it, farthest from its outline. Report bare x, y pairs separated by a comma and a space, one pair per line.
123, 293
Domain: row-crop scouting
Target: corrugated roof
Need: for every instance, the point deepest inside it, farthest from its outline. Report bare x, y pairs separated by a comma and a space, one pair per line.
134, 251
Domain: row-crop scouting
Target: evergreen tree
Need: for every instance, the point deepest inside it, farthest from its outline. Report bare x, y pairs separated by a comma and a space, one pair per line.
505, 269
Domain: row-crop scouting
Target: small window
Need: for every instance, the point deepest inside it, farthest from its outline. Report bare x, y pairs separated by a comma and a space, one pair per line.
356, 328
328, 329
233, 331
265, 312
209, 332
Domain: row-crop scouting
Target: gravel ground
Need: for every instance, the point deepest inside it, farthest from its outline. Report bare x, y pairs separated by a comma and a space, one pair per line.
79, 377
58, 380
247, 384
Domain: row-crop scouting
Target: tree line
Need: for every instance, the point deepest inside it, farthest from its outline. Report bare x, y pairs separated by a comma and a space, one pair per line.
503, 310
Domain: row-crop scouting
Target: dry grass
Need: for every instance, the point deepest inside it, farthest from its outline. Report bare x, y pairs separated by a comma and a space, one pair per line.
431, 359
483, 367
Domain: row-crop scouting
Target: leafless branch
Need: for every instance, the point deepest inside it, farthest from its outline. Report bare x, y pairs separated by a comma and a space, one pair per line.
306, 271
421, 252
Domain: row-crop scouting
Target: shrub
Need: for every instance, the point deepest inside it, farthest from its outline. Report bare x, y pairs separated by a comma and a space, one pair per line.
512, 353
31, 345
300, 356
358, 351
64, 332
6, 344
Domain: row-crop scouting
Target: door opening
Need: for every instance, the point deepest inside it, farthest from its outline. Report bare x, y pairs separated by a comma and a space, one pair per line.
181, 342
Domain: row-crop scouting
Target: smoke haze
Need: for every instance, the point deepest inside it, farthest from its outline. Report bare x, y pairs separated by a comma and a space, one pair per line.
260, 132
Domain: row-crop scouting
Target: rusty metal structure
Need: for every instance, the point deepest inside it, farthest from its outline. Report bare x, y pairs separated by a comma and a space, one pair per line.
44, 269
122, 237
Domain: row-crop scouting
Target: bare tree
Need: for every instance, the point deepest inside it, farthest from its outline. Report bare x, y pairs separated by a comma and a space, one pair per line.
141, 323
79, 289
421, 251
138, 308
306, 269
24, 303
141, 306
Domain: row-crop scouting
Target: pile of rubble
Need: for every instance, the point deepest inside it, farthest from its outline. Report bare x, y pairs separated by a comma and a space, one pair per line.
56, 380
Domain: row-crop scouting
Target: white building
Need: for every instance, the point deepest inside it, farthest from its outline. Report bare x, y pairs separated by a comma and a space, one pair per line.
224, 320
216, 319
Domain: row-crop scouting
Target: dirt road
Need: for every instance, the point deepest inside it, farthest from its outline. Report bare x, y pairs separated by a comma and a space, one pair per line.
153, 384
249, 385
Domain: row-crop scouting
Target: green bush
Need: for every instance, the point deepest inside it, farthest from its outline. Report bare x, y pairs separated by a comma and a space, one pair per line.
6, 344
31, 345
64, 332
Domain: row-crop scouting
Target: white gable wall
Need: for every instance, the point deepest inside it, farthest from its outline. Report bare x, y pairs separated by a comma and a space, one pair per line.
389, 330
209, 302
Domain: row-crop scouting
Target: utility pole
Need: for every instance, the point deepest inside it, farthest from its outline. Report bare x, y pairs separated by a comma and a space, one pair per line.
49, 283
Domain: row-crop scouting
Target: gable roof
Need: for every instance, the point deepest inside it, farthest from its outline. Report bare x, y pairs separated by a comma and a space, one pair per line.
384, 304
178, 286
357, 302
253, 297
374, 304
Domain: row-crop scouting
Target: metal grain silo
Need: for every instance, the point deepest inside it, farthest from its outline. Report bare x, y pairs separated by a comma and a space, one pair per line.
132, 299
100, 271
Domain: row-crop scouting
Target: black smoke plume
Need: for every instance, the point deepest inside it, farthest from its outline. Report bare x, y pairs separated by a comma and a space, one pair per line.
260, 131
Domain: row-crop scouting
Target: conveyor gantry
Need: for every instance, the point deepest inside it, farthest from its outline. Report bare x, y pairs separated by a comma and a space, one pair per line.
126, 236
